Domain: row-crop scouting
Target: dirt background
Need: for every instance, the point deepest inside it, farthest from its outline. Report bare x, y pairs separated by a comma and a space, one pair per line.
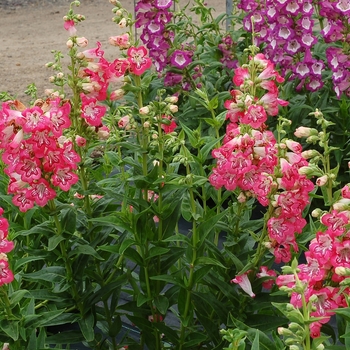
30, 29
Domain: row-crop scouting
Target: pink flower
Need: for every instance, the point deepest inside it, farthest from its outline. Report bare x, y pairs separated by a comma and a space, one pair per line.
168, 127
244, 283
268, 275
139, 62
124, 122
64, 178
70, 27
41, 192
122, 41
91, 111
80, 141
6, 275
255, 116
241, 74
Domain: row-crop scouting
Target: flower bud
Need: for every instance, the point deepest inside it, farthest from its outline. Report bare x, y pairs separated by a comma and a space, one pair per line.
80, 56
154, 136
303, 131
117, 94
172, 99
294, 146
80, 141
342, 204
316, 213
103, 133
321, 181
59, 75
69, 44
311, 153
310, 170
144, 110
146, 125
294, 347
122, 23
242, 198
312, 139
342, 271
320, 347
124, 121
82, 42
173, 108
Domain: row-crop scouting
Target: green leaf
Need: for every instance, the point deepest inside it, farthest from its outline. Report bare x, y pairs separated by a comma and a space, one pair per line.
125, 245
141, 299
85, 249
193, 140
87, 327
23, 261
199, 273
54, 241
265, 342
17, 296
156, 251
162, 304
204, 260
194, 339
169, 279
70, 337
11, 328
69, 220
186, 210
49, 274
255, 345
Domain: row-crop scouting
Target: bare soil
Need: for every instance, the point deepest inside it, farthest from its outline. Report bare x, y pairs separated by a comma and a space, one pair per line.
30, 29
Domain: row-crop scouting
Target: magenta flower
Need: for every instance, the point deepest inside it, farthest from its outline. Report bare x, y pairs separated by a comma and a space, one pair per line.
181, 59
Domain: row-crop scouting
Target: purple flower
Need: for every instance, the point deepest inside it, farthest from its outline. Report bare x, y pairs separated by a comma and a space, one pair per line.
181, 59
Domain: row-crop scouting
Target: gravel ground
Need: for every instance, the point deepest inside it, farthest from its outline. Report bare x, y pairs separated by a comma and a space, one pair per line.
12, 4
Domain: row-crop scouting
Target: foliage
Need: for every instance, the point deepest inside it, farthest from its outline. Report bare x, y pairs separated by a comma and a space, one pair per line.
154, 200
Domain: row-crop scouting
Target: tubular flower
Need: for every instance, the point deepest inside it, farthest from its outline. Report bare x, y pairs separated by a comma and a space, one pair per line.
32, 152
327, 266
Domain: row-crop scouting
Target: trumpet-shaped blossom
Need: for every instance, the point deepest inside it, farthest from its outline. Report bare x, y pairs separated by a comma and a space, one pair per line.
32, 151
138, 59
249, 160
327, 263
286, 28
244, 282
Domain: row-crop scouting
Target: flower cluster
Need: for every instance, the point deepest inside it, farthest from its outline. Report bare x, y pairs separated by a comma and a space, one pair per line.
6, 275
153, 16
227, 48
325, 274
286, 26
37, 156
337, 29
250, 158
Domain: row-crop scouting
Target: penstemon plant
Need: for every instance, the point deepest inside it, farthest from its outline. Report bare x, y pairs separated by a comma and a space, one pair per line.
161, 200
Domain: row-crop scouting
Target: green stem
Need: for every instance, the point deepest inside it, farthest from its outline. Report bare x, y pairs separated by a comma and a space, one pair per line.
261, 247
190, 283
66, 259
7, 304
